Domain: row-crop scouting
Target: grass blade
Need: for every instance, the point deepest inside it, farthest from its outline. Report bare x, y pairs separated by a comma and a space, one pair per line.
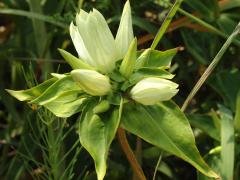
237, 115
227, 143
33, 15
166, 23
211, 67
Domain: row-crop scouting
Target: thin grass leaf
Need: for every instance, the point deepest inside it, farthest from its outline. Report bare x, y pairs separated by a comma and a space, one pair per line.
211, 67
237, 115
166, 23
227, 143
38, 16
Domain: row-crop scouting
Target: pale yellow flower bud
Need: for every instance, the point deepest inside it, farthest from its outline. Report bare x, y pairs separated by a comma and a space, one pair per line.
149, 91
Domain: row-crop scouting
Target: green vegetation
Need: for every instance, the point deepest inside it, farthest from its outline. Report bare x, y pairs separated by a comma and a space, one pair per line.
76, 127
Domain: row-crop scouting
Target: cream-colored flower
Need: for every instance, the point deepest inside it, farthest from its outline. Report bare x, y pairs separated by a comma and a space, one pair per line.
92, 82
149, 91
94, 41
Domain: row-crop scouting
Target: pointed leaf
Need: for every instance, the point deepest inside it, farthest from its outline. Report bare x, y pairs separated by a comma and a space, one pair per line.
34, 92
214, 160
129, 60
58, 88
73, 61
145, 73
155, 58
165, 126
96, 134
227, 143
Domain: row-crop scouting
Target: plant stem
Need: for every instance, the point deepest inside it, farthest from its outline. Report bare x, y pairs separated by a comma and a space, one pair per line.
129, 154
166, 23
138, 154
211, 67
158, 164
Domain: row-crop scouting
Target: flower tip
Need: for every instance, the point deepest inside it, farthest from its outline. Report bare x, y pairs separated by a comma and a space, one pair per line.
127, 4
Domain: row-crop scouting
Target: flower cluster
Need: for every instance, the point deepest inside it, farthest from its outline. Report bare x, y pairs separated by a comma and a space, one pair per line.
97, 48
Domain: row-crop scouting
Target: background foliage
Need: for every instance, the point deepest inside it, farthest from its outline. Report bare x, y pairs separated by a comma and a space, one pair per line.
36, 145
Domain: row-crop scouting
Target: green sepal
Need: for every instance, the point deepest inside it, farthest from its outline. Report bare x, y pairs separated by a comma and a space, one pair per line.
114, 98
129, 60
102, 107
145, 73
73, 61
117, 76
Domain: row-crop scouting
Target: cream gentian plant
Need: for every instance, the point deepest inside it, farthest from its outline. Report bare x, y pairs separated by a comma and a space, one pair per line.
113, 85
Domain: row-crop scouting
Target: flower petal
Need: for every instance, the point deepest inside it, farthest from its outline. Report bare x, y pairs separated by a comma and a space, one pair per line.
79, 44
124, 35
98, 39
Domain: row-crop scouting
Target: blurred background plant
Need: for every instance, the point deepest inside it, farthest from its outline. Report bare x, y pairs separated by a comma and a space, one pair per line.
36, 145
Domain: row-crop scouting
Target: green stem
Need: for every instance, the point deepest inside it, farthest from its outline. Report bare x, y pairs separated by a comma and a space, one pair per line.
211, 67
166, 23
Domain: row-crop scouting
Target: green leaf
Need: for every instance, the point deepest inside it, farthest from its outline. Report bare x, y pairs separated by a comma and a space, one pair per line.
73, 61
144, 24
230, 4
96, 133
227, 143
237, 115
102, 107
66, 104
207, 8
30, 94
58, 88
227, 23
117, 76
150, 72
198, 47
165, 126
144, 73
206, 124
226, 83
48, 19
155, 58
